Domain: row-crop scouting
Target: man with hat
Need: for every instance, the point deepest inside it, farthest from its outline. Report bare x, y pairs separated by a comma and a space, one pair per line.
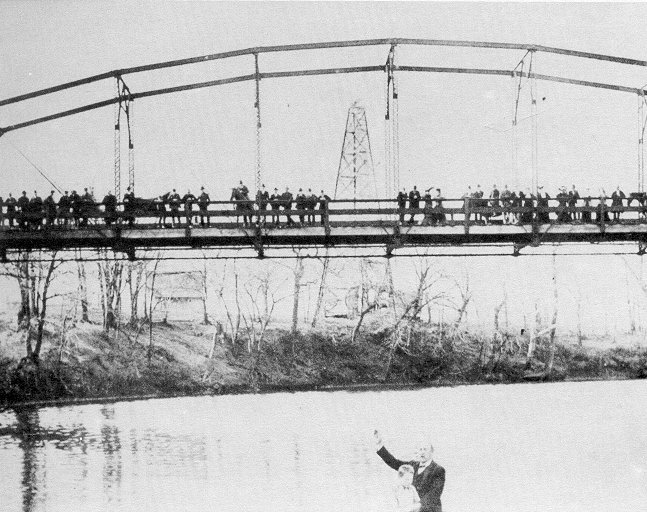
275, 201
262, 199
129, 206
11, 209
49, 207
23, 204
203, 203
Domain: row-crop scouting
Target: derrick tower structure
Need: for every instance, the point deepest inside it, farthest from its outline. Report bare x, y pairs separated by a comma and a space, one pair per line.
356, 172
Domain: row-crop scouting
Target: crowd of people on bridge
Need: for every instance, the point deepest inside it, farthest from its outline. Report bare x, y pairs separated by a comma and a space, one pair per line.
171, 209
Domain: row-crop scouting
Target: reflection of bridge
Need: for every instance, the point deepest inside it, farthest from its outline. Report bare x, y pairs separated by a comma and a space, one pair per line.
345, 223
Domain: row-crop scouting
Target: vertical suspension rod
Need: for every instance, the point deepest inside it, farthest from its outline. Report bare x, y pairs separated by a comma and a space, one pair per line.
640, 140
131, 145
533, 114
117, 144
257, 106
396, 129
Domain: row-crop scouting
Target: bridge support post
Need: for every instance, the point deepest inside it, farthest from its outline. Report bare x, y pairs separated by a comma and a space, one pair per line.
535, 223
258, 241
468, 214
395, 241
603, 214
326, 221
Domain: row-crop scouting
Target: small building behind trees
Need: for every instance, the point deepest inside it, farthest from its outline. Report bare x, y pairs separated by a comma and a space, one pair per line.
179, 297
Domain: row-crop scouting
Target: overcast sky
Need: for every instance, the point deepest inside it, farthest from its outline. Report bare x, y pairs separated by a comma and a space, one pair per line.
454, 129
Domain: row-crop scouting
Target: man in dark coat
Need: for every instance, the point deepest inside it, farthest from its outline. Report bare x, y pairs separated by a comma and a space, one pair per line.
75, 202
428, 477
313, 199
129, 207
286, 198
262, 200
36, 210
174, 200
49, 208
64, 204
110, 208
11, 209
402, 203
23, 204
275, 203
414, 202
616, 203
301, 205
323, 206
188, 199
203, 204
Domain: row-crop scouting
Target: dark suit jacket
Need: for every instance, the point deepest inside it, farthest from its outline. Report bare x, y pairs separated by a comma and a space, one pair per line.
429, 483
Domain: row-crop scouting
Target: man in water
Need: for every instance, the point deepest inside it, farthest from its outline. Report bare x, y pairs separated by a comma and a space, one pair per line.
428, 477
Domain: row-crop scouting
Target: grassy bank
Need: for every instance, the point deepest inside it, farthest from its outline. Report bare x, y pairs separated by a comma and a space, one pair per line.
88, 364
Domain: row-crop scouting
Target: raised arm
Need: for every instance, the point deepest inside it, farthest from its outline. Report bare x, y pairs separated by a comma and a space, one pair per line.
384, 454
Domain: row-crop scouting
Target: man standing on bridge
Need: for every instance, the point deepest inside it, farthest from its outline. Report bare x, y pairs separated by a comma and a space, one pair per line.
110, 208
129, 206
11, 209
414, 203
174, 201
402, 203
188, 199
428, 477
203, 204
49, 207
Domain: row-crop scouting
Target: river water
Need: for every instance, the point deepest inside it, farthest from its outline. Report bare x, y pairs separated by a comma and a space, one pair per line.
522, 448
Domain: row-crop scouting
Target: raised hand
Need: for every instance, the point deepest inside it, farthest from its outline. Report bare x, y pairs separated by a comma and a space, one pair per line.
378, 439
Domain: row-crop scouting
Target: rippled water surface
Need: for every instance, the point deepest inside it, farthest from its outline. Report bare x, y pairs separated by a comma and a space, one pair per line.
562, 447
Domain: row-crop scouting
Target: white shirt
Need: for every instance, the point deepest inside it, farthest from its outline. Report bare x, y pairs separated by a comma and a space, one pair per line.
423, 466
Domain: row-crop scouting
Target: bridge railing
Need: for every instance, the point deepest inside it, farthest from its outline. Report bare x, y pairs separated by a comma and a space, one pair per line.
147, 214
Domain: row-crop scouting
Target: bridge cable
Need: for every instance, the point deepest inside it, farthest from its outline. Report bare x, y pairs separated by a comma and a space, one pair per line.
40, 171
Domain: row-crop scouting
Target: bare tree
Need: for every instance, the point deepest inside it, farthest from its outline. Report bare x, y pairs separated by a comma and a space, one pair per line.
553, 327
110, 282
425, 294
83, 290
262, 301
298, 274
233, 316
465, 295
34, 279
204, 290
152, 305
322, 289
136, 280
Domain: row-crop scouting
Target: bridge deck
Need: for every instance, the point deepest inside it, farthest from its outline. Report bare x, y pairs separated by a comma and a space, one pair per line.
387, 234
362, 225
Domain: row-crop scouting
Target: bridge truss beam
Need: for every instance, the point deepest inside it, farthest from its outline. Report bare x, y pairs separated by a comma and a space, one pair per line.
319, 72
321, 46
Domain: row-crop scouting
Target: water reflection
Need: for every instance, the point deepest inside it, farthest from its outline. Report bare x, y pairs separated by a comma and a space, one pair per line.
575, 447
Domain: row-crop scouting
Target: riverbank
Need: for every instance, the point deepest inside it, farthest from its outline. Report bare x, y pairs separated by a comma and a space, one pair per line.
87, 365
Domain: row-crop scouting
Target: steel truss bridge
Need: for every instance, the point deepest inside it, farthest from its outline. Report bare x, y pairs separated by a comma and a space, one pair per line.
373, 222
